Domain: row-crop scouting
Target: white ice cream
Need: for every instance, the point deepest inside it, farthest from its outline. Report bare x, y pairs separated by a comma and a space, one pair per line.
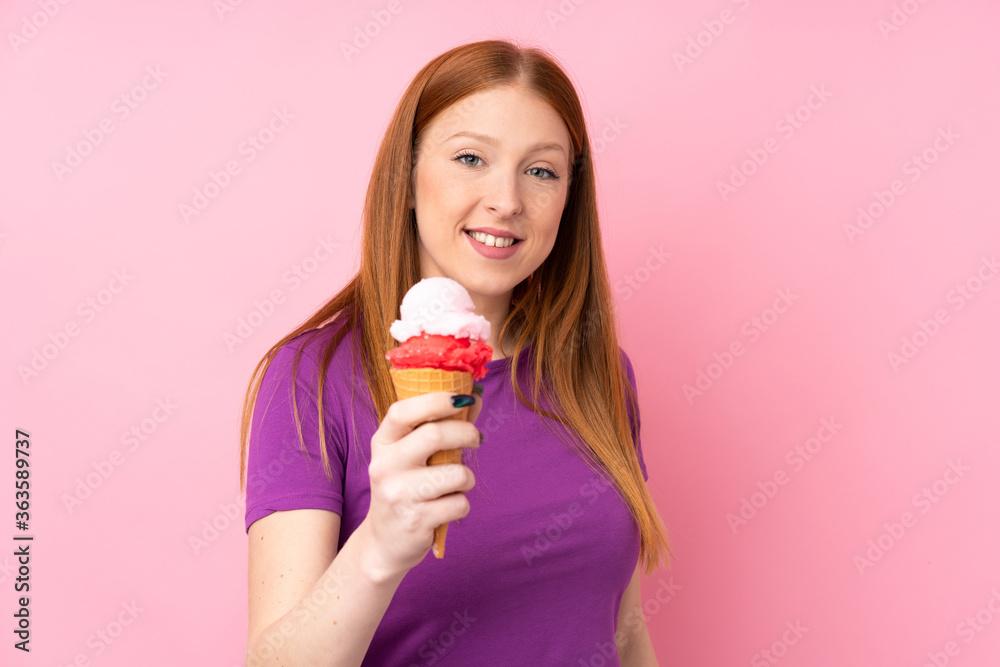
442, 307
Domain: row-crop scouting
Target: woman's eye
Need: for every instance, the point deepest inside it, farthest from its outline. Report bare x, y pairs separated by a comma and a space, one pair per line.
551, 173
465, 155
543, 172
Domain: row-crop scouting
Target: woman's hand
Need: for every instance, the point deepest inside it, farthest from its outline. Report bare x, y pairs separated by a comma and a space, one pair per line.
408, 497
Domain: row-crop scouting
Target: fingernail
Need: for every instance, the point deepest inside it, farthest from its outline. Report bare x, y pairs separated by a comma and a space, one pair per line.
462, 400
482, 438
477, 389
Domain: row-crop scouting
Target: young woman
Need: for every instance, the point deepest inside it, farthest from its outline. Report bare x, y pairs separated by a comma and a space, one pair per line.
551, 520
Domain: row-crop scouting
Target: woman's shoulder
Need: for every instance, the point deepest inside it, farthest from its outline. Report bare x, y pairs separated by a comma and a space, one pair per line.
310, 346
627, 364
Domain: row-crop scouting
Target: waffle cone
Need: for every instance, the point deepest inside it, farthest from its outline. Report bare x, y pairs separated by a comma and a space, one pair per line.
411, 382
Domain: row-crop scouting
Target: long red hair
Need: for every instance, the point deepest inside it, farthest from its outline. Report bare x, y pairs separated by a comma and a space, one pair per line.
564, 309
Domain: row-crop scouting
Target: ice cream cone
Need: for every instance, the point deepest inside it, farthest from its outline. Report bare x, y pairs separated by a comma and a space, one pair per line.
418, 381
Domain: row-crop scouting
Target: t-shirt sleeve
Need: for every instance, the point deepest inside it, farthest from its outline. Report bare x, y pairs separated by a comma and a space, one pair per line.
634, 417
279, 475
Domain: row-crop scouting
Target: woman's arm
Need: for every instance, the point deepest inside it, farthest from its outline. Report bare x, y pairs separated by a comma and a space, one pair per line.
636, 648
310, 605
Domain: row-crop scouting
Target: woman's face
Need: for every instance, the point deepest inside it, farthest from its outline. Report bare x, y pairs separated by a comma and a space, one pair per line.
512, 180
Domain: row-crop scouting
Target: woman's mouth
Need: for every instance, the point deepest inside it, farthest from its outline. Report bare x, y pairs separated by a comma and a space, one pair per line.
490, 240
493, 247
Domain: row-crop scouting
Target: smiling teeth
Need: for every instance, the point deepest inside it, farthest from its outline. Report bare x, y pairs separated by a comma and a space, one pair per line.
488, 239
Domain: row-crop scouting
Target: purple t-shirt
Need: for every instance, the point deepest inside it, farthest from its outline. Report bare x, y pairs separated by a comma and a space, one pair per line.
535, 573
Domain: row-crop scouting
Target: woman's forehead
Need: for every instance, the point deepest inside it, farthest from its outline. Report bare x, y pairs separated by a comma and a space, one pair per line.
503, 117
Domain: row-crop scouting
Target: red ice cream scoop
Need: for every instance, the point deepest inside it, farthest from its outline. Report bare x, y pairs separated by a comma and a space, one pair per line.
442, 352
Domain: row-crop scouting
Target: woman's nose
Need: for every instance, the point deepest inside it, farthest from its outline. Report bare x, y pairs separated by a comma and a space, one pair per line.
504, 196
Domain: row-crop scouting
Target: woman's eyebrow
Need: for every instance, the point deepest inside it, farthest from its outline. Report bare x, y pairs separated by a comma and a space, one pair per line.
495, 142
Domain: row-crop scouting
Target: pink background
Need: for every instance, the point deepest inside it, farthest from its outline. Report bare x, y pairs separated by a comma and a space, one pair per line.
672, 131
